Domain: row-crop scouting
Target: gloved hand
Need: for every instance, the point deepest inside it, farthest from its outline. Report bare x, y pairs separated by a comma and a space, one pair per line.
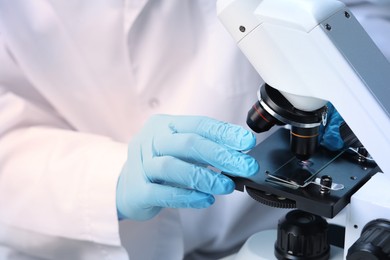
167, 165
330, 135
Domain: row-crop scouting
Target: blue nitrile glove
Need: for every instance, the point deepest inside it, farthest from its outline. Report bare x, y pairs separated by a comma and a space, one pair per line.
330, 135
167, 165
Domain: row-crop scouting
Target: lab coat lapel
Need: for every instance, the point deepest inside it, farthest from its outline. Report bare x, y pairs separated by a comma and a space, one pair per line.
78, 69
133, 8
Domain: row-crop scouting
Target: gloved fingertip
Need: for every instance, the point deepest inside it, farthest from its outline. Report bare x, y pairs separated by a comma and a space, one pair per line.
235, 137
120, 215
333, 144
229, 186
331, 138
254, 167
225, 186
210, 200
243, 165
204, 202
250, 168
247, 140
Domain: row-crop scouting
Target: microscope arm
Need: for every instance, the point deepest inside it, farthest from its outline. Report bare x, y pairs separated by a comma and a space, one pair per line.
314, 51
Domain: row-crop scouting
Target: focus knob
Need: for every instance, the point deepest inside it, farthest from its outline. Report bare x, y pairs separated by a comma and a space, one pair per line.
302, 235
374, 242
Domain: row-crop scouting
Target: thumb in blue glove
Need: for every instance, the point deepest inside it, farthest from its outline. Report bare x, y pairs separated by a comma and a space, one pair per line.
167, 165
330, 135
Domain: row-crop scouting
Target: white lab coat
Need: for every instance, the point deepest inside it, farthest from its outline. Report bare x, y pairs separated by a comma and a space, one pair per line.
77, 80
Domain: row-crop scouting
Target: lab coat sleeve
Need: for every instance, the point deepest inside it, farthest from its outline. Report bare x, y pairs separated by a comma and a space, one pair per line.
53, 180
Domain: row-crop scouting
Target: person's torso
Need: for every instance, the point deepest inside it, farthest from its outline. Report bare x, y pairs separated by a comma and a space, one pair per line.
105, 76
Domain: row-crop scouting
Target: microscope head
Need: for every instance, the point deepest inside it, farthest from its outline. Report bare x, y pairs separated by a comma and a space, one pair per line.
273, 108
312, 52
283, 100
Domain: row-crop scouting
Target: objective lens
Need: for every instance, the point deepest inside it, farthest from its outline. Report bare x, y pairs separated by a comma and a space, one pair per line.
304, 142
259, 120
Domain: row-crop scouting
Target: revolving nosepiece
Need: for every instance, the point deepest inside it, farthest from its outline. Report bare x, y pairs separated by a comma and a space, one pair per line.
273, 108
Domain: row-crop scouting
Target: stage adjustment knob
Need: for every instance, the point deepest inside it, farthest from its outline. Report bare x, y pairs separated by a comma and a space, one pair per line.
302, 235
374, 242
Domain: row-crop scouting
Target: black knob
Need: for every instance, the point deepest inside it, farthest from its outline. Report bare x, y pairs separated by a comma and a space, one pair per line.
302, 235
326, 184
374, 242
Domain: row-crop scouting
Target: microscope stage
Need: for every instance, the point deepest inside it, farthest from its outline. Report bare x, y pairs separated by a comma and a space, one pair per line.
284, 181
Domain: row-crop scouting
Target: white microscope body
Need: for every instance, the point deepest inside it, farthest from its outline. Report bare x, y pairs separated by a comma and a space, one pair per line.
315, 51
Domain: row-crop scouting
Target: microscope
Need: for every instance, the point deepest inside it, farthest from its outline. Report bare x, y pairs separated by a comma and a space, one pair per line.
310, 53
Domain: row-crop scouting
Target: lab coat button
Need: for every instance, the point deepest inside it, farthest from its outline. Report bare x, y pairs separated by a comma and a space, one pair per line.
154, 102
